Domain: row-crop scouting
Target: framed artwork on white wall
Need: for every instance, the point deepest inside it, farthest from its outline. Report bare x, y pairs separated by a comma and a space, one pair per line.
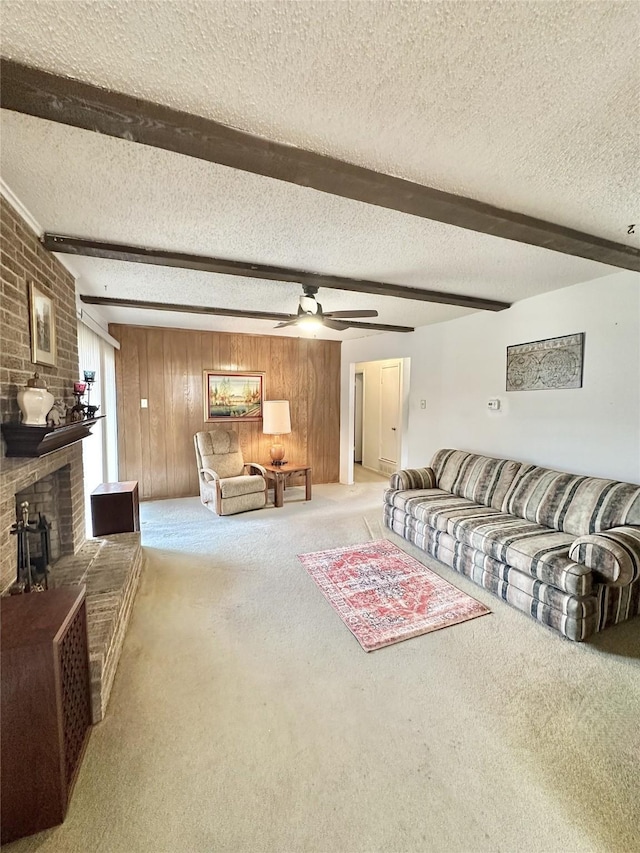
552, 364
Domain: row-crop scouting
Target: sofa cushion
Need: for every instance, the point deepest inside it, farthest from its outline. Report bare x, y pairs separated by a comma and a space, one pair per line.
571, 503
243, 503
528, 547
467, 560
439, 511
576, 617
433, 506
234, 486
481, 479
408, 499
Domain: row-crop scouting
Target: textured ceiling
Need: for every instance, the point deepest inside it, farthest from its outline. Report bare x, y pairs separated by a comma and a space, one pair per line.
99, 277
529, 106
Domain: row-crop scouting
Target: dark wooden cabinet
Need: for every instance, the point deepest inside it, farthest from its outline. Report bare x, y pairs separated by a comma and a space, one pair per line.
115, 508
46, 706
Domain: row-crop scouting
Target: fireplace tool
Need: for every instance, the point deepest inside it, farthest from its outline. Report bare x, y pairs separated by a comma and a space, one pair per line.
24, 577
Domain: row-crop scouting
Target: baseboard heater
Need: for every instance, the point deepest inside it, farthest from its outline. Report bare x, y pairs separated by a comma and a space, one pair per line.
386, 467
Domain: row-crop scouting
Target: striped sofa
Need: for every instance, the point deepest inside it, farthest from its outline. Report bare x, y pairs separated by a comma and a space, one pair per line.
563, 548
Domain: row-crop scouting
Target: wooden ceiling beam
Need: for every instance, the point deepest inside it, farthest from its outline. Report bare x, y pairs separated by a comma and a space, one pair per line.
222, 312
246, 269
62, 99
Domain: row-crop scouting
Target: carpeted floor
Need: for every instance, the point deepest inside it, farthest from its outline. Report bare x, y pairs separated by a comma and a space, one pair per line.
246, 718
365, 475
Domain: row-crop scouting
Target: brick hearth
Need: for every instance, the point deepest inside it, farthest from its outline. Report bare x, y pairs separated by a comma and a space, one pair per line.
110, 569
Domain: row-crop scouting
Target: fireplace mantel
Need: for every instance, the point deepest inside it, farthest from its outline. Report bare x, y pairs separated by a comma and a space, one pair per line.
34, 441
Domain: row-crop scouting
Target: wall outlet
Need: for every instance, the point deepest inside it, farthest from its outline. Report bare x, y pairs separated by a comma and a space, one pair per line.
423, 404
494, 405
144, 403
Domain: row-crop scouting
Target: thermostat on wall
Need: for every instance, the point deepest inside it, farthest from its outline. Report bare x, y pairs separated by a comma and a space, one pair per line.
494, 404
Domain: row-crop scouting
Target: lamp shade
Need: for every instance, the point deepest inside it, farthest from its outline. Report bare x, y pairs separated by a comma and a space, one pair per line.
276, 419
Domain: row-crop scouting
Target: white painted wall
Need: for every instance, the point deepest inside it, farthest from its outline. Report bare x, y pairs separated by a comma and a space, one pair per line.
459, 365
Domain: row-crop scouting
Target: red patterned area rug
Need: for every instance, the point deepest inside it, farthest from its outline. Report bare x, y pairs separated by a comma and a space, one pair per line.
384, 596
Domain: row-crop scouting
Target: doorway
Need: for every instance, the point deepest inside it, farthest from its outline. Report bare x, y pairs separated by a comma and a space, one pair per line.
358, 418
390, 413
380, 414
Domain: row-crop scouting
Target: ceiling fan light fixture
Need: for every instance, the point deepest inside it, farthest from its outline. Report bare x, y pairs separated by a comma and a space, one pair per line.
310, 322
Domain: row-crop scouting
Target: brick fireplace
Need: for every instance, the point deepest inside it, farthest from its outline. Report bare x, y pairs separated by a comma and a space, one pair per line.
24, 260
20, 481
109, 567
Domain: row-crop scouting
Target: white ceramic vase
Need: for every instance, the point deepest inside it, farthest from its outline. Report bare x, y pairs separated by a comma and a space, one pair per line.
34, 404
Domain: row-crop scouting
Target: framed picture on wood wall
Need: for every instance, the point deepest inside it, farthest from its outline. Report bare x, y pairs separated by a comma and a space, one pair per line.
43, 327
233, 396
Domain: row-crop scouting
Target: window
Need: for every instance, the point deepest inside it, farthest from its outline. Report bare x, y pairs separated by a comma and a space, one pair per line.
100, 450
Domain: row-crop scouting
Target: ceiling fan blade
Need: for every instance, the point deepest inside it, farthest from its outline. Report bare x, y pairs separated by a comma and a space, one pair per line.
291, 322
352, 314
334, 324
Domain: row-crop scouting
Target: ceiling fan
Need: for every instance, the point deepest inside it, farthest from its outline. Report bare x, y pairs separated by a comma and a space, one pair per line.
310, 314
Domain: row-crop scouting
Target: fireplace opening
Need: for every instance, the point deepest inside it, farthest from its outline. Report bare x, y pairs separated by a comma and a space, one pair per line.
44, 508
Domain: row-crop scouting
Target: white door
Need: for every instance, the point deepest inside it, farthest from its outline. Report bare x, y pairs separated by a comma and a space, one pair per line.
390, 413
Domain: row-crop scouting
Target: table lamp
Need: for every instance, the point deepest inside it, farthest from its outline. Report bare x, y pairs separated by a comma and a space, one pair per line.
276, 421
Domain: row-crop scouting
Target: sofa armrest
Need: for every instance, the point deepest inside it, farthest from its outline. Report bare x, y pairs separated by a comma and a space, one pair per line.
613, 555
255, 468
413, 478
209, 474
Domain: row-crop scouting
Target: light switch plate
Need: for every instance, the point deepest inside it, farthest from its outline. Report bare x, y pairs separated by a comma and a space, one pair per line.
144, 403
494, 404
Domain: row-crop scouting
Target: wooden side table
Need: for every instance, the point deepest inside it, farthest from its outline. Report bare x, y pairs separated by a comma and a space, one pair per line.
279, 474
46, 706
115, 508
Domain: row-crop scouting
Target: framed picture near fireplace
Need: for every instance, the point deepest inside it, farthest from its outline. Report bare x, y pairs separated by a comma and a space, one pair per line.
43, 327
233, 396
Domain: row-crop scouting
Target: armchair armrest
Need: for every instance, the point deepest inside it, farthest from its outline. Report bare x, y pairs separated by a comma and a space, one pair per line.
209, 474
255, 468
413, 478
613, 555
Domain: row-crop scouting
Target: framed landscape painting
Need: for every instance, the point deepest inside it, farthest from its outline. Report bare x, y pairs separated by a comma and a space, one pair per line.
233, 396
43, 327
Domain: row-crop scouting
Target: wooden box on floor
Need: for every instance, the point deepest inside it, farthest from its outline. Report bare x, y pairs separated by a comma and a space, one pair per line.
115, 508
46, 706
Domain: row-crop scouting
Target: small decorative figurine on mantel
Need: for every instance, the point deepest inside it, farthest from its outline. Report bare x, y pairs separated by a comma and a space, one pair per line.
58, 414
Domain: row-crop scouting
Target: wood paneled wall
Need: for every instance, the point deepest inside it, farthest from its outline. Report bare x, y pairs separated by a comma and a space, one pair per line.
166, 366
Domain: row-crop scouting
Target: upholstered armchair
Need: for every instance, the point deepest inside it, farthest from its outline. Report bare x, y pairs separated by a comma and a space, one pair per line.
225, 485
